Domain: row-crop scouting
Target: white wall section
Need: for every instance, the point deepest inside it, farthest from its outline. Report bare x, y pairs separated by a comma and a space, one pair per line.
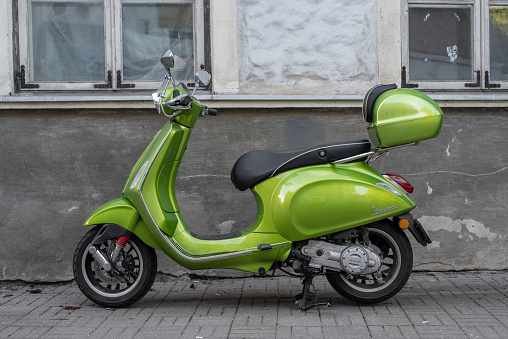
224, 46
307, 48
389, 41
6, 72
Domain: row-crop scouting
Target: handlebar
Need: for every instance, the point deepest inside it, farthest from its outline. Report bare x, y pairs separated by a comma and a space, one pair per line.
211, 111
182, 100
178, 103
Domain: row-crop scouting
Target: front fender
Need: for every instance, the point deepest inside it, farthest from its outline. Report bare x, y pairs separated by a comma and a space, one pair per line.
122, 212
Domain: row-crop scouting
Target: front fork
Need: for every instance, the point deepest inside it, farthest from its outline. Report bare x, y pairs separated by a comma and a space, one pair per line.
119, 246
105, 233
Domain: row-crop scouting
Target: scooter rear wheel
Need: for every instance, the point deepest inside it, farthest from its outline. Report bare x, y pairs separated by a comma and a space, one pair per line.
394, 248
131, 278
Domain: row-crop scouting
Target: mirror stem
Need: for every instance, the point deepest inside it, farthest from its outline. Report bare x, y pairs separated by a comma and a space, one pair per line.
196, 85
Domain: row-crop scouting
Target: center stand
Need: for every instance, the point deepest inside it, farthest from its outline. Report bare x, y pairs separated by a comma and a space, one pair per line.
307, 296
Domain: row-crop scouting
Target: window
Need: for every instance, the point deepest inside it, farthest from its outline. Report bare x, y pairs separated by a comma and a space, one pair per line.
455, 45
108, 44
497, 34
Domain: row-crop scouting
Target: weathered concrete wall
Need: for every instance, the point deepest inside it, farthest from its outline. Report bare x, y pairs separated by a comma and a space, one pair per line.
56, 167
296, 47
461, 181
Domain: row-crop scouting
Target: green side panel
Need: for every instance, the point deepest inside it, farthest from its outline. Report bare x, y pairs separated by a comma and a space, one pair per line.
158, 213
122, 212
403, 116
241, 253
166, 187
156, 170
140, 162
318, 200
142, 231
168, 173
263, 193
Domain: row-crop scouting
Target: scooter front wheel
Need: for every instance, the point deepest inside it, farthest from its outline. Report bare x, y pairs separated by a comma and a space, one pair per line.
394, 249
128, 281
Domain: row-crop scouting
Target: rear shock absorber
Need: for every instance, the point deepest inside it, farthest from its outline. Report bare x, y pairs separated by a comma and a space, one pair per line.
120, 245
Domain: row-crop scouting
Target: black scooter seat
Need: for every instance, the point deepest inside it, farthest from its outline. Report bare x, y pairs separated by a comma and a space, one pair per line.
255, 166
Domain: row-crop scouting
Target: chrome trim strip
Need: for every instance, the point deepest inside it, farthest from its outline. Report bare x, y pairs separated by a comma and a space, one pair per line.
312, 150
200, 258
147, 169
208, 257
161, 234
389, 188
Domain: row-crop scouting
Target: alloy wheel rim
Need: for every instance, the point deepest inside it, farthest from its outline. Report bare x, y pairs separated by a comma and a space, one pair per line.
106, 284
385, 246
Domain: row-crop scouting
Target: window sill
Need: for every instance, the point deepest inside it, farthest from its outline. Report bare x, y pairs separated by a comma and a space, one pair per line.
142, 100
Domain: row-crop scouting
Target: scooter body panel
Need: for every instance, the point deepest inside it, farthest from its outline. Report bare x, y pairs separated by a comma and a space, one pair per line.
312, 201
242, 252
151, 182
121, 212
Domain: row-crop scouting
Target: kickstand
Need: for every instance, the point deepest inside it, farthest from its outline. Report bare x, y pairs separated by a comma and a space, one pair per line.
308, 296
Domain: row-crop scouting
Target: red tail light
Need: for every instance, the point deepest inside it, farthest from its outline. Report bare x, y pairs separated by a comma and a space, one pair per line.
397, 179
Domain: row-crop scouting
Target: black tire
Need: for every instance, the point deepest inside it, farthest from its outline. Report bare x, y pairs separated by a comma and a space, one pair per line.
397, 263
126, 285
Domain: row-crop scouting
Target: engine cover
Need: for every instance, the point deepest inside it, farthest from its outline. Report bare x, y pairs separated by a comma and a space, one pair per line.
353, 259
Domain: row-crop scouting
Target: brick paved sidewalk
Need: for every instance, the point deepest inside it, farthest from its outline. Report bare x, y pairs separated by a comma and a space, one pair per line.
432, 305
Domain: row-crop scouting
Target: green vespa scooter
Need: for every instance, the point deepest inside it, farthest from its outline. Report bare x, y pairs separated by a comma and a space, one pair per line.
320, 209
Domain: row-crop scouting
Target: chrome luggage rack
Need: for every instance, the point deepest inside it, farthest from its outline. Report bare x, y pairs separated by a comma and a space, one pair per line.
374, 154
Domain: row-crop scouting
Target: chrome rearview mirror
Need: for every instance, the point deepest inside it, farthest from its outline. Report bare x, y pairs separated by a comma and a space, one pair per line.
204, 76
168, 60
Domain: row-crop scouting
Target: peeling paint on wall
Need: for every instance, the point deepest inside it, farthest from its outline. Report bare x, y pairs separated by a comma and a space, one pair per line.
429, 189
453, 140
465, 227
433, 245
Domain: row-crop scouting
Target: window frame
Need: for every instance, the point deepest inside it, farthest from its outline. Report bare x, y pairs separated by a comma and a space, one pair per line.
476, 42
199, 40
486, 83
112, 49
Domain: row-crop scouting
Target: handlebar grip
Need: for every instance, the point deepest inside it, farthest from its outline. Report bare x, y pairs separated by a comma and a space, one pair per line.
186, 100
212, 111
